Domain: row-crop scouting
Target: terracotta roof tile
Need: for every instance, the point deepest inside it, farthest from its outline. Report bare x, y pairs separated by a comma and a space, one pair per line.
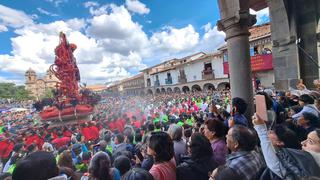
259, 31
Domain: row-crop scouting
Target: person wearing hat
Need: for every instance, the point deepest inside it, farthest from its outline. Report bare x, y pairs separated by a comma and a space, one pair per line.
307, 102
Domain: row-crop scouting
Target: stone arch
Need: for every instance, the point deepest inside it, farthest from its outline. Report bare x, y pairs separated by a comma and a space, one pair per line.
208, 86
223, 85
163, 90
176, 90
157, 91
196, 87
149, 91
169, 90
185, 89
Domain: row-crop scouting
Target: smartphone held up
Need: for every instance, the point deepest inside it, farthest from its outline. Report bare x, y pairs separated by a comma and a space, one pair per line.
261, 107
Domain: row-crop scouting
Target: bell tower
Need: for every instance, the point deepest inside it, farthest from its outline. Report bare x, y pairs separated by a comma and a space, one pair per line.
31, 76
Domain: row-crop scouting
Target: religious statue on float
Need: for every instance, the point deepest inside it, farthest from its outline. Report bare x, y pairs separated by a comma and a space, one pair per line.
69, 103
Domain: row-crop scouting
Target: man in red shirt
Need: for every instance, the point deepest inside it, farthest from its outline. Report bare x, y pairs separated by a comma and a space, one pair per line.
86, 132
94, 132
60, 140
6, 146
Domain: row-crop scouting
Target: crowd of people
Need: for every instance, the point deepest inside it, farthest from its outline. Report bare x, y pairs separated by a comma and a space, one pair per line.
196, 135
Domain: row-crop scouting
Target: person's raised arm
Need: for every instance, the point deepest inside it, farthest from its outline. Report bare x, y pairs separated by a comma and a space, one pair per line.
268, 150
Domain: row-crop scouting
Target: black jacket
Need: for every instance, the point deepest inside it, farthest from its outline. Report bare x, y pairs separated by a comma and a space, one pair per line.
297, 163
199, 169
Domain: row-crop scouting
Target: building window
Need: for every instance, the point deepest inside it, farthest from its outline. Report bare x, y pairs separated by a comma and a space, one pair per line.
148, 82
225, 56
207, 67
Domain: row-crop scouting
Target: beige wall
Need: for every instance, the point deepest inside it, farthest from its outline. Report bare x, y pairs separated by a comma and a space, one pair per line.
266, 78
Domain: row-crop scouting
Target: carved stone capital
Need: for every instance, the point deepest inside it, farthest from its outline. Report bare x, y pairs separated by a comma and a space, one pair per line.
237, 25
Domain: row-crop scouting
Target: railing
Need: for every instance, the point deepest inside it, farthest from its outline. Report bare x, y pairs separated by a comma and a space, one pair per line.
169, 81
182, 79
207, 74
157, 83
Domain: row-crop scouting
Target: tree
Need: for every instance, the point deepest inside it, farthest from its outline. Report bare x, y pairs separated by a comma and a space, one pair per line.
22, 94
48, 93
11, 91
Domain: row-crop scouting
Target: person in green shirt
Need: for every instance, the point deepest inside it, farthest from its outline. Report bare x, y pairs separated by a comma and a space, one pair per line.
1, 129
190, 121
165, 118
199, 103
156, 120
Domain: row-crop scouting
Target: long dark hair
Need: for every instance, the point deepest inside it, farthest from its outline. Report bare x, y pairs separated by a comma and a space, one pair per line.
100, 166
200, 147
162, 144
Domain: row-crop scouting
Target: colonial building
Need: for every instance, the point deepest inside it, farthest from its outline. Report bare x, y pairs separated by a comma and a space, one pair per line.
196, 72
98, 88
133, 85
38, 86
201, 71
130, 86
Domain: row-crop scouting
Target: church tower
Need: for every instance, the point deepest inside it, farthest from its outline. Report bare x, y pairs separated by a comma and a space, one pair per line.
31, 76
31, 79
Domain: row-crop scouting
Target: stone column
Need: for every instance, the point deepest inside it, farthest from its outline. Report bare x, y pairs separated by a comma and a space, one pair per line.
235, 22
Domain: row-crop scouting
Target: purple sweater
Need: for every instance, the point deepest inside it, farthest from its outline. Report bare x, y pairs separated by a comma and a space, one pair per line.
220, 151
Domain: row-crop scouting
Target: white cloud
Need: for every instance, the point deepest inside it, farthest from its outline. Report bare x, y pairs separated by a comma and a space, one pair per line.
13, 18
57, 2
45, 12
116, 31
3, 28
175, 40
15, 81
262, 15
99, 10
212, 39
90, 4
76, 24
137, 7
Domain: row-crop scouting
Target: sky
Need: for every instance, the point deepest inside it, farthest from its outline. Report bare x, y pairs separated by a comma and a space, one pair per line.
115, 38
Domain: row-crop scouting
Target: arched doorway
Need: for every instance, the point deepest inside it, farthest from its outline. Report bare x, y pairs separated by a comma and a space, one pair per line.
149, 91
196, 87
176, 90
158, 91
185, 89
169, 90
208, 87
223, 86
163, 90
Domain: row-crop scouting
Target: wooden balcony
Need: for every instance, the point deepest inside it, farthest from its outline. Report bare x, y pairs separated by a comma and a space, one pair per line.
207, 75
182, 79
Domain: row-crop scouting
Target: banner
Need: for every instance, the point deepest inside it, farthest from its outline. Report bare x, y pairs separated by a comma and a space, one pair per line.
258, 63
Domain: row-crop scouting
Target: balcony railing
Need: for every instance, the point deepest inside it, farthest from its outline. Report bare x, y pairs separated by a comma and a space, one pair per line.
157, 83
207, 74
169, 81
182, 79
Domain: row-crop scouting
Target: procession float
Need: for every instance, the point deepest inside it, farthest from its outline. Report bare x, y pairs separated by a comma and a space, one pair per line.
71, 103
